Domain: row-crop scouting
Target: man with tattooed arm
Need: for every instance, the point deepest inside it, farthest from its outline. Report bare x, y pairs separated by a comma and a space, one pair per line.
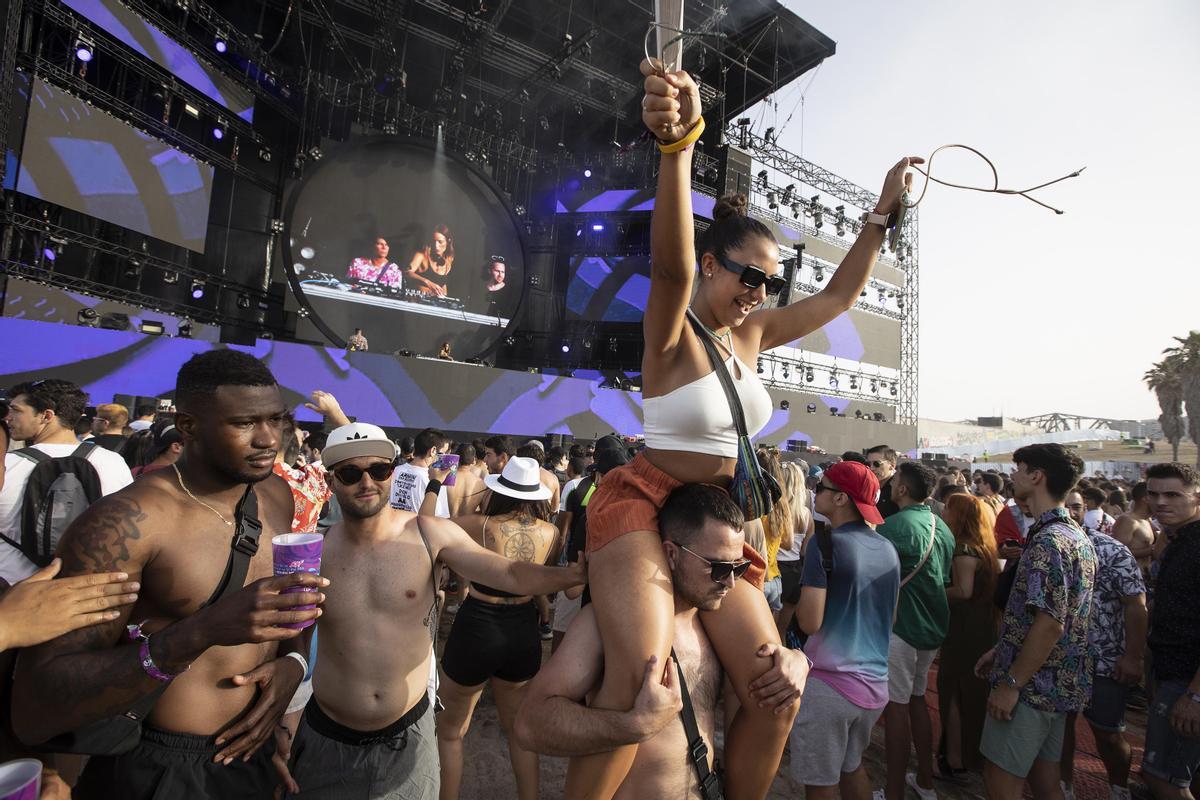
226, 663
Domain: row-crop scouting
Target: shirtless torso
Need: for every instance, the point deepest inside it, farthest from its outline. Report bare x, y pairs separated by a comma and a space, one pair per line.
372, 651
1135, 532
464, 496
177, 549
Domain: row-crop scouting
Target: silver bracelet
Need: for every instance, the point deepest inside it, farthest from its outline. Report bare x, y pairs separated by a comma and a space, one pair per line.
303, 662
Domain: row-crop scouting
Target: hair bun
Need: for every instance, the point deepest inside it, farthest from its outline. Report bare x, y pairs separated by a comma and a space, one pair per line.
731, 205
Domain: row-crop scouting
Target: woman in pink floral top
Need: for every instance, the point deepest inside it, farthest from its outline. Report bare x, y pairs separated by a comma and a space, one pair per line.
378, 269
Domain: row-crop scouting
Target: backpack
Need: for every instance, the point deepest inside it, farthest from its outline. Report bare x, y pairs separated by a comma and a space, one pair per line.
56, 494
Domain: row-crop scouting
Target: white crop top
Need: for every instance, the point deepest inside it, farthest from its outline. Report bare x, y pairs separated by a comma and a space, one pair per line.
696, 418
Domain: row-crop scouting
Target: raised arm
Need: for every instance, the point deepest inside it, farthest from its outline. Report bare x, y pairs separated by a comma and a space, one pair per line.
328, 407
670, 108
465, 556
778, 326
553, 719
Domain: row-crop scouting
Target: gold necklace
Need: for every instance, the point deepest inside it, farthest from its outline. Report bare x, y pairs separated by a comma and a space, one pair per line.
183, 486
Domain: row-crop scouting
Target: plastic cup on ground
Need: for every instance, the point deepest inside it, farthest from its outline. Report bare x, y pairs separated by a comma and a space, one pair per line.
448, 461
21, 779
297, 552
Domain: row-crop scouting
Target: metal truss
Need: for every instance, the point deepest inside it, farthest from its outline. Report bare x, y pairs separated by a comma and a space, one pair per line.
1058, 421
49, 230
910, 328
8, 56
852, 384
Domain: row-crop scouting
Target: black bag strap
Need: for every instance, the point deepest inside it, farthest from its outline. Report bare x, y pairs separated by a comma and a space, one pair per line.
84, 450
242, 548
731, 395
34, 455
710, 782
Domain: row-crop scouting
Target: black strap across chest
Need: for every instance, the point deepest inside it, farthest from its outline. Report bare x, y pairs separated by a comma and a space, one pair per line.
710, 782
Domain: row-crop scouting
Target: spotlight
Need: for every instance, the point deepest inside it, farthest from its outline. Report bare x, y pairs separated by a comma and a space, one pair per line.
874, 387
85, 48
833, 381
743, 122
152, 327
858, 413
772, 200
566, 347
784, 405
170, 278
264, 155
795, 211
197, 290
315, 153
219, 130
762, 178
760, 366
587, 172
243, 300
87, 317
544, 123
219, 44
811, 408
840, 220
191, 110
893, 392
819, 274
769, 136
808, 376
185, 329
853, 382
785, 371
597, 227
133, 269
833, 411
49, 254
787, 193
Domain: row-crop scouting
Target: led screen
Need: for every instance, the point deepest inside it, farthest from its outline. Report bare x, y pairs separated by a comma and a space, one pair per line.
81, 158
608, 288
411, 245
123, 24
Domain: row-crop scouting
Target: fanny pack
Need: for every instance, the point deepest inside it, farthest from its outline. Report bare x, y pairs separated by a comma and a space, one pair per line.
120, 734
756, 492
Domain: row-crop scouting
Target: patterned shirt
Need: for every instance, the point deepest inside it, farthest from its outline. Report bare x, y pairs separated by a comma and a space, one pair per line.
310, 492
1055, 575
1117, 577
364, 269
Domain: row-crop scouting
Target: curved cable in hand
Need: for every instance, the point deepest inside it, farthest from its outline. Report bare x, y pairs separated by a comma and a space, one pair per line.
928, 173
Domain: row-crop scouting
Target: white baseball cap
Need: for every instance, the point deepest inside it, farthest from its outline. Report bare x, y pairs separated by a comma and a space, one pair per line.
355, 440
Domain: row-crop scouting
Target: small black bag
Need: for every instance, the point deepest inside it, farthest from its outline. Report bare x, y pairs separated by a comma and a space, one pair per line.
756, 492
120, 734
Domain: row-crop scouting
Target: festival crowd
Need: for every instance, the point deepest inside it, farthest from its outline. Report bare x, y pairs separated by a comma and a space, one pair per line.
710, 604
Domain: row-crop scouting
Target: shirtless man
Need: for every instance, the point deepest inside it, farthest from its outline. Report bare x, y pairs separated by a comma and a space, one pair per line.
172, 531
370, 705
702, 538
1135, 531
468, 489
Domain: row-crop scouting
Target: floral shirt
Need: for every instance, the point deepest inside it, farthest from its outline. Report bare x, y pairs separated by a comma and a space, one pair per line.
1055, 575
1117, 577
364, 269
310, 492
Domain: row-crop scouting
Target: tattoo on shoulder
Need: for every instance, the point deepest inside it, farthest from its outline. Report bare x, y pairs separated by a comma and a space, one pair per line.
99, 541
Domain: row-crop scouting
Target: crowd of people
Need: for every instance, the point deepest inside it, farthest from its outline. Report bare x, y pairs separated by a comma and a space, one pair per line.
702, 596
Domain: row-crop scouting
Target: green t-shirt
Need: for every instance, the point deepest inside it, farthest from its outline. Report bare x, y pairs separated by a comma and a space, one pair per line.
923, 614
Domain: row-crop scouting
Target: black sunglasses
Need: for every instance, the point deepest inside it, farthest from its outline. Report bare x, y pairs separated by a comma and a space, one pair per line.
753, 277
824, 487
720, 570
350, 475
878, 464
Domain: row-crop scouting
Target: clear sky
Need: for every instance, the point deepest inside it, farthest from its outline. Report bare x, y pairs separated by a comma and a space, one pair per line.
1022, 311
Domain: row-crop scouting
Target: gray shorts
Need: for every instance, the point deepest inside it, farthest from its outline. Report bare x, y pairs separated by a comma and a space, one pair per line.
1012, 745
829, 735
1169, 756
1106, 710
400, 762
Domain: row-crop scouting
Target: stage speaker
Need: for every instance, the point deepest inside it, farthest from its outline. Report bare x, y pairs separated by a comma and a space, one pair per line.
735, 169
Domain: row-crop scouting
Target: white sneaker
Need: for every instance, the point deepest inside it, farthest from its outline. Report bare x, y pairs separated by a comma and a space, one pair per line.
924, 794
1068, 791
1119, 793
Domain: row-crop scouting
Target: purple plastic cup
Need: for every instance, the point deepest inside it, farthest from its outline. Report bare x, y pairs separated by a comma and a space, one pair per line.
448, 461
21, 779
297, 552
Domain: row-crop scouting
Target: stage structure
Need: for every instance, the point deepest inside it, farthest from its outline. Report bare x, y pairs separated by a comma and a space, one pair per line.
203, 131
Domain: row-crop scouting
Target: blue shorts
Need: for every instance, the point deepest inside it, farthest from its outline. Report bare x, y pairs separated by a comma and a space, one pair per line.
1169, 756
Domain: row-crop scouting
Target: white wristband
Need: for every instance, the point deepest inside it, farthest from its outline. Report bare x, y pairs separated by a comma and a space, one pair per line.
303, 661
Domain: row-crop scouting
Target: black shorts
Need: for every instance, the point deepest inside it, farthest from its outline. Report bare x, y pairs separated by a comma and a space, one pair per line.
493, 640
170, 765
791, 571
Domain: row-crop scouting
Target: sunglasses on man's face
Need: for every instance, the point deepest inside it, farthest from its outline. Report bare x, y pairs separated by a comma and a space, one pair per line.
753, 277
720, 570
350, 475
878, 464
824, 487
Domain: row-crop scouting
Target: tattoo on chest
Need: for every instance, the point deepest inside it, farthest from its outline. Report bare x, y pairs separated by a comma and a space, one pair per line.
101, 543
519, 542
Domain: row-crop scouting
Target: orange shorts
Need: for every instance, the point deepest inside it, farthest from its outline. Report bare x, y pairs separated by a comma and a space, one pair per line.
628, 500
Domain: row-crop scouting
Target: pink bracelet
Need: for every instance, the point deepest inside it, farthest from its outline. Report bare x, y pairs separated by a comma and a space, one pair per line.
151, 669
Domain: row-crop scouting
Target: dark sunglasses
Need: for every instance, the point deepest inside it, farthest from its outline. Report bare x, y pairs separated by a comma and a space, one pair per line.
350, 475
753, 277
822, 487
878, 464
720, 570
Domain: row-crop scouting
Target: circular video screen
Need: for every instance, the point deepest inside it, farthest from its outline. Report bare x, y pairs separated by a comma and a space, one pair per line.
410, 245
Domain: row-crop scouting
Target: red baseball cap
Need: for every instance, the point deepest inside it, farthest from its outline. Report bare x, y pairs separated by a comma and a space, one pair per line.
860, 483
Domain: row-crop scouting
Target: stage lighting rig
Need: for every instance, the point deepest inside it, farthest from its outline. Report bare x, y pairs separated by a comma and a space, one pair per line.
840, 220
762, 179
197, 290
787, 193
85, 48
772, 200
87, 317
185, 329
795, 210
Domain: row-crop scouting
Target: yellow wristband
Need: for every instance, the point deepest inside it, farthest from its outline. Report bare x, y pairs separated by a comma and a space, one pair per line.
687, 141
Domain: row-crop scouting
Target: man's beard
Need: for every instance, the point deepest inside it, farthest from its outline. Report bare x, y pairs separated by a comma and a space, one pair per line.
361, 509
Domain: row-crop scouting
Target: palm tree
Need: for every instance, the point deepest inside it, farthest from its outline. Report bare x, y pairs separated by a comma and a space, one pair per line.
1187, 357
1164, 380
